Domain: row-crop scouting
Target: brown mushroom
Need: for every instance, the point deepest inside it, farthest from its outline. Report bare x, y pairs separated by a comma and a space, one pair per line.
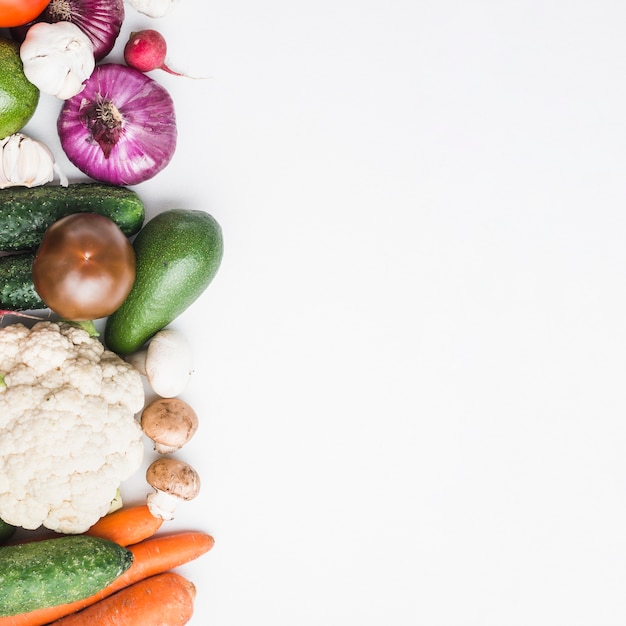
170, 423
173, 481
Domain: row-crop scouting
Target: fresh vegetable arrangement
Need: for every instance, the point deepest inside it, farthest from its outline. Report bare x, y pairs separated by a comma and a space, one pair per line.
100, 20
149, 557
80, 412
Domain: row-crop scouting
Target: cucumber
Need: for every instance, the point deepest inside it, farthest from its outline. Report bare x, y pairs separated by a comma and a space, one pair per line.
178, 253
45, 573
17, 292
26, 213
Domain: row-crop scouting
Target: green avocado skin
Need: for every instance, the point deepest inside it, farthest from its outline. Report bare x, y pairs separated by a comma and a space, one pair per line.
178, 253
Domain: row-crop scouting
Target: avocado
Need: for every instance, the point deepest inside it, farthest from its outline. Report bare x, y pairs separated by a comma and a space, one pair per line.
178, 253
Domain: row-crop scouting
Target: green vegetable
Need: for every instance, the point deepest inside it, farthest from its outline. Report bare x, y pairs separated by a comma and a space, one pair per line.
25, 214
177, 253
57, 571
6, 530
91, 329
17, 292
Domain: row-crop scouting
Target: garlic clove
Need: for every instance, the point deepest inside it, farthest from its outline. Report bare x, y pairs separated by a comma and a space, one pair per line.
26, 162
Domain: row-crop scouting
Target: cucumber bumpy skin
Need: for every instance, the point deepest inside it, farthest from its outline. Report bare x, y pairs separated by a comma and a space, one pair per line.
45, 573
17, 292
178, 253
25, 213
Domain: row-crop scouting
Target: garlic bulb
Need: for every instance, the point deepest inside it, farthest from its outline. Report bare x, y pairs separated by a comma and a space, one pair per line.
25, 162
57, 58
152, 8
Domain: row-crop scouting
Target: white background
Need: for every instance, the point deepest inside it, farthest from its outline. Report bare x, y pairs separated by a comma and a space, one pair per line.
410, 368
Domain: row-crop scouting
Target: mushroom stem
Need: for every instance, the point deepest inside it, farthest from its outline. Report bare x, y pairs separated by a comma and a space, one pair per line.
162, 504
138, 360
163, 449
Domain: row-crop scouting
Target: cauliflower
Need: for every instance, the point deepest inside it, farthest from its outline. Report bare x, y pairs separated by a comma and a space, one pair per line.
68, 433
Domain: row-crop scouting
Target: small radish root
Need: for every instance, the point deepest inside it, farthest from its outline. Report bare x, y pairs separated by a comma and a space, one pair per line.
7, 312
146, 50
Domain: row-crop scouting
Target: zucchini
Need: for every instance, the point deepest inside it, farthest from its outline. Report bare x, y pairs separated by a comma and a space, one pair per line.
45, 573
26, 213
17, 292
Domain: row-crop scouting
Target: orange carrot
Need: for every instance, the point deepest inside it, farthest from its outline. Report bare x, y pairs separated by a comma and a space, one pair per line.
127, 526
161, 599
150, 557
124, 526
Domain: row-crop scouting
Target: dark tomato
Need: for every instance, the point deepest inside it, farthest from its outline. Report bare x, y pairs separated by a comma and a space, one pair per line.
84, 267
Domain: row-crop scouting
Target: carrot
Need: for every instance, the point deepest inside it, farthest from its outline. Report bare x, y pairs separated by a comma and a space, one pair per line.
150, 557
161, 599
126, 526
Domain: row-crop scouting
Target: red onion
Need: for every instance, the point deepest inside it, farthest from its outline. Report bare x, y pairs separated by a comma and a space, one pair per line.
121, 128
100, 20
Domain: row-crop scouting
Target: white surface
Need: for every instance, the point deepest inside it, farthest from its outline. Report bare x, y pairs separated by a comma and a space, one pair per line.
410, 367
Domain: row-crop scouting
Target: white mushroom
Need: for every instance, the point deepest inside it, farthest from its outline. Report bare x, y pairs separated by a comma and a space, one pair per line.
173, 481
170, 423
167, 362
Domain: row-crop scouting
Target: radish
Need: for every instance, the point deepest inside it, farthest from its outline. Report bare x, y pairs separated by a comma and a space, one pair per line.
145, 51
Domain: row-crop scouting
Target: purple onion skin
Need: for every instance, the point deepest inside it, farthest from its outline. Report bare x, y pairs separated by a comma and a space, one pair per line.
100, 20
140, 136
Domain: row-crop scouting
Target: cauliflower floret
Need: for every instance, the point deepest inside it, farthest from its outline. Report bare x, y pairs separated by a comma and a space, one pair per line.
68, 432
10, 340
